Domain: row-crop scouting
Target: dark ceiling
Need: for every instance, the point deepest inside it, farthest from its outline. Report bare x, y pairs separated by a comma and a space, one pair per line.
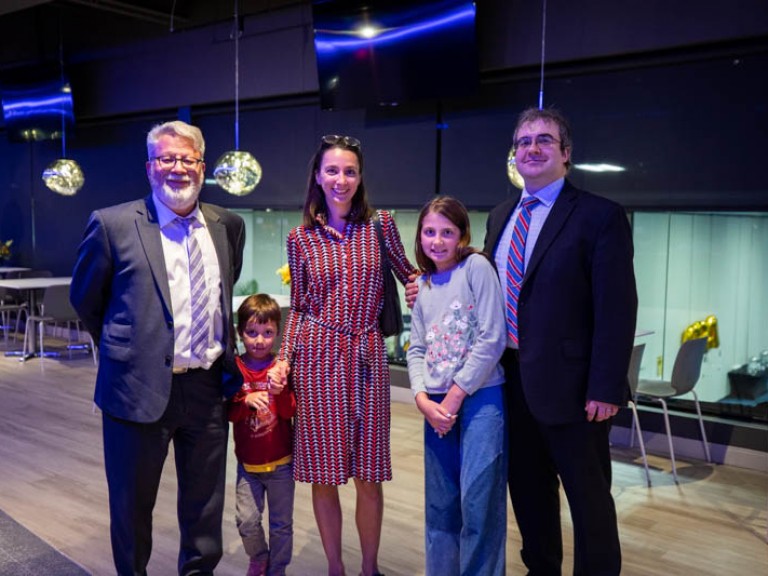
35, 31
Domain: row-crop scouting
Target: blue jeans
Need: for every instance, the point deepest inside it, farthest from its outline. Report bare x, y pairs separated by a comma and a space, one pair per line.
252, 491
465, 490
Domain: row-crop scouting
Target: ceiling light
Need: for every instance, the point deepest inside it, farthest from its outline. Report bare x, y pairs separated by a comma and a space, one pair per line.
599, 167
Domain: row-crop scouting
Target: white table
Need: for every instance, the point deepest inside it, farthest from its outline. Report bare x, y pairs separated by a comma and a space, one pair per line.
5, 270
30, 286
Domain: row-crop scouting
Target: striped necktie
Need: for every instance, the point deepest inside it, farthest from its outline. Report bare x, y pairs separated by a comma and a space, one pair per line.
199, 293
516, 264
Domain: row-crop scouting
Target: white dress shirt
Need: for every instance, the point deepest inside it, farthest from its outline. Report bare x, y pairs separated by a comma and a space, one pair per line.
174, 240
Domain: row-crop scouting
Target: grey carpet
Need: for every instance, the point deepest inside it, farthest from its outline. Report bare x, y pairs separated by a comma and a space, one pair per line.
24, 554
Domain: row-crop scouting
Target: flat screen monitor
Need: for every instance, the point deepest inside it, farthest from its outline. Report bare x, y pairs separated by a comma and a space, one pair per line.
36, 105
388, 52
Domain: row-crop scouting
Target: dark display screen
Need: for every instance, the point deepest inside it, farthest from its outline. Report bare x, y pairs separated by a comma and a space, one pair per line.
36, 106
386, 52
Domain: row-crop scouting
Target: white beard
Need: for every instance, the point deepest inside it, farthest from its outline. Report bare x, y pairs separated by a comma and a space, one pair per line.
179, 200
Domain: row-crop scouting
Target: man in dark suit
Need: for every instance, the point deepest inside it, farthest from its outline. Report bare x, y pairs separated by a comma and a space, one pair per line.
569, 344
166, 348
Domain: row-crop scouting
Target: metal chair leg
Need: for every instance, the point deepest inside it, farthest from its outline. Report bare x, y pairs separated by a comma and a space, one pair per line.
669, 440
24, 346
41, 330
636, 423
701, 426
633, 403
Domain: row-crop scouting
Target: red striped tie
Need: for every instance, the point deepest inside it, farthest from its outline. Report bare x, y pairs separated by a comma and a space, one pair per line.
516, 264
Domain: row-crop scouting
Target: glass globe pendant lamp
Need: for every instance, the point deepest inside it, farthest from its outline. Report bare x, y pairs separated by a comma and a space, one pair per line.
237, 171
64, 177
512, 173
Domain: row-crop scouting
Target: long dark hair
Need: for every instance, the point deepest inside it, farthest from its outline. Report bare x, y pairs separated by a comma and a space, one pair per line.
457, 214
314, 203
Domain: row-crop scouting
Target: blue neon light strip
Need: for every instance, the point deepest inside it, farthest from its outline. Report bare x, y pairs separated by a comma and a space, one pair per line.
34, 103
446, 21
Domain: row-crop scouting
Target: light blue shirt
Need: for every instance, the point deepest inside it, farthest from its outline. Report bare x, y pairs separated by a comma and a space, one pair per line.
539, 213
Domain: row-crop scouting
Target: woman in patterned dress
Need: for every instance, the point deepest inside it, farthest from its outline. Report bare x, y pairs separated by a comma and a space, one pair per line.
335, 349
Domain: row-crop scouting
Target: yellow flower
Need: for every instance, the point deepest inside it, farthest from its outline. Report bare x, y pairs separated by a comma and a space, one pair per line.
285, 273
5, 249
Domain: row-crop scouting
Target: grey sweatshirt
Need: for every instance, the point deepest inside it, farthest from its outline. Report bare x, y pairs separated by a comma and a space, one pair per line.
458, 330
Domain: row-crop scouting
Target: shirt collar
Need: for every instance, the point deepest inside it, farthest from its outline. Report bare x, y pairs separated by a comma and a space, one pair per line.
165, 215
548, 194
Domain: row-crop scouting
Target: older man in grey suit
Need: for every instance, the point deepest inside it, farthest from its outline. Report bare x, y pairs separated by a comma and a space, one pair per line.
153, 285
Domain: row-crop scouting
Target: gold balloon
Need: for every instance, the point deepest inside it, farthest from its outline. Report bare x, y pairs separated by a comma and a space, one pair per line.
706, 328
512, 173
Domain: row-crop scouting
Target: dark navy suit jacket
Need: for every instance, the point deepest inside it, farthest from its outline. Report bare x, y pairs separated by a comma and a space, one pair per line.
577, 305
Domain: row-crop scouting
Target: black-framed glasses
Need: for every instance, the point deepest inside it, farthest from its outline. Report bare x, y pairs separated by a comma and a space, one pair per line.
334, 139
169, 162
542, 141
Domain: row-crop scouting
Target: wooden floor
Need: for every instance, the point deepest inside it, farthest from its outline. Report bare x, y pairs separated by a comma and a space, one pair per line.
52, 482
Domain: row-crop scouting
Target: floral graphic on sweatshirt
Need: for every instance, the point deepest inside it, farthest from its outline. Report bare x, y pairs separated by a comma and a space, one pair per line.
449, 342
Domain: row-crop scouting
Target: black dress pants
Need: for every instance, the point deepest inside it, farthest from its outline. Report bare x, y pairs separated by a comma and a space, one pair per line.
134, 454
540, 457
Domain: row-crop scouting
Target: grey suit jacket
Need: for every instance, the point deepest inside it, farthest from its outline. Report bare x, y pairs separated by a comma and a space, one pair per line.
120, 291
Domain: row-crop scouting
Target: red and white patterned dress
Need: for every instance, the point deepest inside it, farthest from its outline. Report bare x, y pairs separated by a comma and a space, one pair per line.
336, 351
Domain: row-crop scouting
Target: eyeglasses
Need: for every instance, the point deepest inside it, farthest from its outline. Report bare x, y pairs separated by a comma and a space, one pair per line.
334, 139
169, 162
542, 141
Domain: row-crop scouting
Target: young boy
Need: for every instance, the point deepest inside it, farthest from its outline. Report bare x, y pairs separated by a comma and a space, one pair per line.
263, 435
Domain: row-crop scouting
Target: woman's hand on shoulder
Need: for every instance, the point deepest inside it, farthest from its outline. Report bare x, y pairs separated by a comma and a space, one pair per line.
411, 290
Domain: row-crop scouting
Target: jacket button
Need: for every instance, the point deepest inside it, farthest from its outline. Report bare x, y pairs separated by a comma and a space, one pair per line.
168, 360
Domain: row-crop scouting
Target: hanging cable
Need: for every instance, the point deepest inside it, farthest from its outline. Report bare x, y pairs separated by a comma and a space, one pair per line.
173, 14
237, 171
543, 48
237, 76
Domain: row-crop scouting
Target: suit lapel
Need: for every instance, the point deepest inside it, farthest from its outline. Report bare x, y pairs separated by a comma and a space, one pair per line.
561, 210
149, 236
496, 229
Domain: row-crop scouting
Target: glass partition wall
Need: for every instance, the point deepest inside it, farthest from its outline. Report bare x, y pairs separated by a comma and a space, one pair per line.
692, 266
689, 266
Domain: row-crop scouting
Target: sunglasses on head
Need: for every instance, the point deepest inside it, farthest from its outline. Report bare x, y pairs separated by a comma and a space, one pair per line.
334, 139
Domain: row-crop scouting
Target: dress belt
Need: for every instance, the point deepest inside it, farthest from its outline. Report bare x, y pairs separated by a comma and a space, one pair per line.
340, 329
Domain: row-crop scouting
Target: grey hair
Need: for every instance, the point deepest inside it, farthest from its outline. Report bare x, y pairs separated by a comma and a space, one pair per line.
176, 128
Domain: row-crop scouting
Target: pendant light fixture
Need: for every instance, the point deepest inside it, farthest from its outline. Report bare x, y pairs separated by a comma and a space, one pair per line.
63, 176
237, 171
512, 173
